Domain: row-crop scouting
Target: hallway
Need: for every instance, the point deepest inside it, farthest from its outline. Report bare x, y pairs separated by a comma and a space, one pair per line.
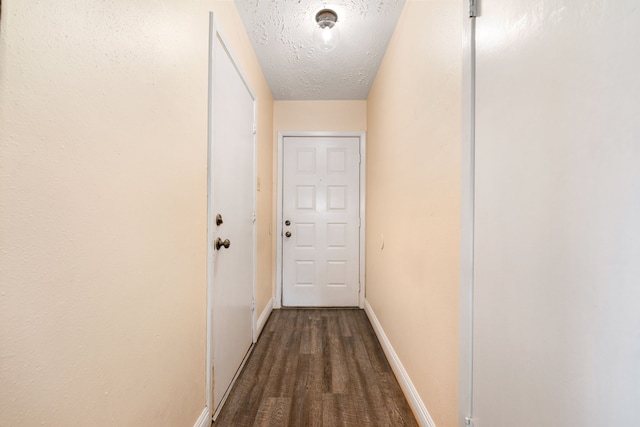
499, 262
320, 367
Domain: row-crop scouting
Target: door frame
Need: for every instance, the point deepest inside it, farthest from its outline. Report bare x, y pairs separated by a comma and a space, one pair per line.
277, 301
467, 219
215, 32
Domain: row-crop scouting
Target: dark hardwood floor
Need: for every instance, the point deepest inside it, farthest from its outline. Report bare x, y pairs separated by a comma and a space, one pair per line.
316, 367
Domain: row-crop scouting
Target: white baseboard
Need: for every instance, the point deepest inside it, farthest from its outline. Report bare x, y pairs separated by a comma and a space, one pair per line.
204, 420
262, 320
416, 403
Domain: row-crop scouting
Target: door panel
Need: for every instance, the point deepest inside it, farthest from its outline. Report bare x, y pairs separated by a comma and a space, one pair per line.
321, 200
557, 202
232, 196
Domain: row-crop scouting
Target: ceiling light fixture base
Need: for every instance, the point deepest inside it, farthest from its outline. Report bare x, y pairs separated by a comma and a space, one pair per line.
326, 18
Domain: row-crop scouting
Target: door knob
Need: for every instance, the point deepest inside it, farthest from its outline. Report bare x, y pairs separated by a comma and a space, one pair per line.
219, 243
288, 234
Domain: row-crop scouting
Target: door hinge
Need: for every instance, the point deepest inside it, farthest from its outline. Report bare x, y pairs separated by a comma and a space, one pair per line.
255, 128
473, 8
253, 304
253, 216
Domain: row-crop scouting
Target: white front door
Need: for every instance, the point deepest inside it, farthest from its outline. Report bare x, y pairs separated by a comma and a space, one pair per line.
321, 220
231, 272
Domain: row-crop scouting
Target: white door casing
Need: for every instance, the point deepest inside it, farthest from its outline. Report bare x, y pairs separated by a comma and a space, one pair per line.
231, 271
320, 200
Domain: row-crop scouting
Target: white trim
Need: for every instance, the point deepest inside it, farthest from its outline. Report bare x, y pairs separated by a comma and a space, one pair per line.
363, 216
263, 318
467, 206
363, 160
416, 403
254, 331
214, 32
277, 301
210, 124
204, 420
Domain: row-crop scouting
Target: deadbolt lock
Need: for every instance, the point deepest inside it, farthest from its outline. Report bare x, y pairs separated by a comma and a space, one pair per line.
287, 223
219, 219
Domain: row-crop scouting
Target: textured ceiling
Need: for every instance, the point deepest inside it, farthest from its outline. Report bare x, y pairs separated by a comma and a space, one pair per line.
281, 32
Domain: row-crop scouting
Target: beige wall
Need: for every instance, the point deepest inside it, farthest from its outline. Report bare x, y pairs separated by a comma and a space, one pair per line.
413, 192
227, 17
103, 202
319, 115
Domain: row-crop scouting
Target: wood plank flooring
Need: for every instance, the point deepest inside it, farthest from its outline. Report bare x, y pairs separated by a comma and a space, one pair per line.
316, 367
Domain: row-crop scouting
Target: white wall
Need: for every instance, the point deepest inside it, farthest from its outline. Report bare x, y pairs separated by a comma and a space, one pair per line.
557, 271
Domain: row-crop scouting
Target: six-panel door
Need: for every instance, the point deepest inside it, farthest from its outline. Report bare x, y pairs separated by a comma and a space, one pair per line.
321, 219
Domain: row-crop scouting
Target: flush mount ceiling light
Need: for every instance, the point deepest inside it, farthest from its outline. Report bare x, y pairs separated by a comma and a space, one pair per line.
327, 34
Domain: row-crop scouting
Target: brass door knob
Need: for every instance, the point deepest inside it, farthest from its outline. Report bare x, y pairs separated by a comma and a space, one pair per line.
288, 234
220, 243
